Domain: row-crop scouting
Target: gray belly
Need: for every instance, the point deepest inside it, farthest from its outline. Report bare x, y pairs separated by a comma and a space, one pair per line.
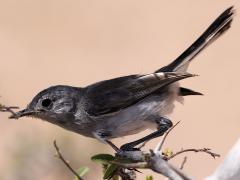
138, 117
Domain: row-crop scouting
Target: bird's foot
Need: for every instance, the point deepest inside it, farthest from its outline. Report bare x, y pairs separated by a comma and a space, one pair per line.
129, 147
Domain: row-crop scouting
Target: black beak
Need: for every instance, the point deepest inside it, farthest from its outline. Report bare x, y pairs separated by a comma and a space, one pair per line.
22, 113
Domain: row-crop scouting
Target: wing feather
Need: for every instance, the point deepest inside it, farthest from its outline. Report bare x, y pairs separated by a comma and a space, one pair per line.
113, 95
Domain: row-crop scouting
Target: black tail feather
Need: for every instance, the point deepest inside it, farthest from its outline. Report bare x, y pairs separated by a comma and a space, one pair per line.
188, 92
215, 30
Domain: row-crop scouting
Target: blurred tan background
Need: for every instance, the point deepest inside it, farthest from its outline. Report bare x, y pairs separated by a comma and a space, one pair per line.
50, 42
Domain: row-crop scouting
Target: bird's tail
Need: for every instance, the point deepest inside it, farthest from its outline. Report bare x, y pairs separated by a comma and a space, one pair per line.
214, 31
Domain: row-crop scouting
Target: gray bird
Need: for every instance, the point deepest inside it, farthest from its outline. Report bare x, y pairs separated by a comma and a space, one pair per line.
125, 105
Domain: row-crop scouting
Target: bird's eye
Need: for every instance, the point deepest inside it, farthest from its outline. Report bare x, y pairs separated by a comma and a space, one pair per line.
46, 103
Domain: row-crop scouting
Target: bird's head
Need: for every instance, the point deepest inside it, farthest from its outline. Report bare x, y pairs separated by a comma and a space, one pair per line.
55, 104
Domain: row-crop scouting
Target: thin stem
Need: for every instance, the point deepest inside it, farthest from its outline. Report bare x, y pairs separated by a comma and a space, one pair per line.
64, 161
8, 109
205, 150
160, 145
183, 162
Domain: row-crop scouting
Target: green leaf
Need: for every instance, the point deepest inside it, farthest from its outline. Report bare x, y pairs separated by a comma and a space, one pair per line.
103, 158
149, 177
104, 167
109, 173
82, 171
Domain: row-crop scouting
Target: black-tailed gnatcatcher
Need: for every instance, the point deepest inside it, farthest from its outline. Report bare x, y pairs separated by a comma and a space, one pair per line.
125, 105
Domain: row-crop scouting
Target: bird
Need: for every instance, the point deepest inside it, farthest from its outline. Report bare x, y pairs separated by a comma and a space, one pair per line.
124, 105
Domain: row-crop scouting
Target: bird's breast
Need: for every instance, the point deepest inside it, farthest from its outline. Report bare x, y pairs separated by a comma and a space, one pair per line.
138, 117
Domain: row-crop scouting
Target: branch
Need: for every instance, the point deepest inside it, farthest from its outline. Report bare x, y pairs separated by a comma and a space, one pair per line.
160, 145
8, 109
161, 166
64, 161
205, 150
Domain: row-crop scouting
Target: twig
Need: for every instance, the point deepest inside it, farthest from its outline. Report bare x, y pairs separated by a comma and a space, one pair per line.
205, 150
159, 146
183, 162
161, 166
64, 161
8, 109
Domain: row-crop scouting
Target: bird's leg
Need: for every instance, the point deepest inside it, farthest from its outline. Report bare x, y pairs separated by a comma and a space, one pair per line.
102, 136
112, 145
163, 125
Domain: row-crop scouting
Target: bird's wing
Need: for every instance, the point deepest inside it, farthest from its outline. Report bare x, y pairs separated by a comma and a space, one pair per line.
113, 95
